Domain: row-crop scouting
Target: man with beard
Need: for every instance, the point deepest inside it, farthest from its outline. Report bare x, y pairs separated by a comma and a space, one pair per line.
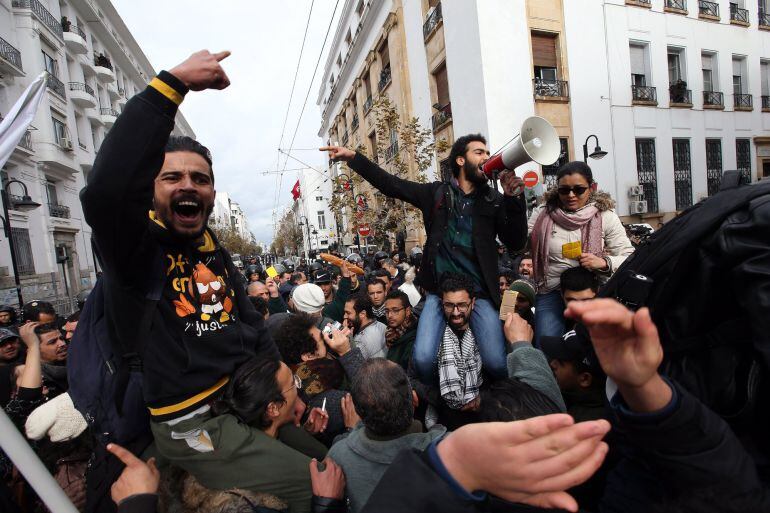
525, 266
368, 332
464, 217
402, 328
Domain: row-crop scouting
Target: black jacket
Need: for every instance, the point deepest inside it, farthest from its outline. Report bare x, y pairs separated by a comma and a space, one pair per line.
195, 341
494, 215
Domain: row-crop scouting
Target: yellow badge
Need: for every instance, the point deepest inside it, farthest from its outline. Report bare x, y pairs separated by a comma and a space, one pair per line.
572, 250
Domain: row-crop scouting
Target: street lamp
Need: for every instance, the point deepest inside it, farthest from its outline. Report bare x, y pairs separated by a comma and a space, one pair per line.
303, 222
597, 154
24, 204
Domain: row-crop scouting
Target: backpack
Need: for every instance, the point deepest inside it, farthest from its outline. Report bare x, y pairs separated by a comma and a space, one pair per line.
711, 343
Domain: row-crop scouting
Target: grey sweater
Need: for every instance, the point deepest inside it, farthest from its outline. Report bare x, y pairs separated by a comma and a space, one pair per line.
371, 341
529, 365
364, 460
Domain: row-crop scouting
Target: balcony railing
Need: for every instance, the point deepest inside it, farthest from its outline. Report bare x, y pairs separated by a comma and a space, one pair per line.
644, 94
56, 85
743, 101
354, 122
738, 14
385, 78
69, 27
431, 22
713, 98
108, 112
706, 8
42, 14
26, 141
77, 86
681, 97
391, 151
10, 54
368, 104
551, 88
645, 3
764, 18
61, 211
442, 116
765, 102
82, 145
345, 138
680, 5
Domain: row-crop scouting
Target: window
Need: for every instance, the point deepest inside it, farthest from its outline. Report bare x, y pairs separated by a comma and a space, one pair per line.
321, 220
50, 64
639, 64
545, 57
647, 172
739, 75
743, 158
710, 79
373, 145
25, 263
442, 86
713, 165
385, 55
675, 68
59, 131
764, 68
50, 189
549, 172
348, 38
682, 174
319, 198
360, 8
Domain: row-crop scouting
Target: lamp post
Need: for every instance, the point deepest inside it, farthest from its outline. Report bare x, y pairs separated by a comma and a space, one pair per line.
303, 222
315, 237
597, 154
347, 184
25, 204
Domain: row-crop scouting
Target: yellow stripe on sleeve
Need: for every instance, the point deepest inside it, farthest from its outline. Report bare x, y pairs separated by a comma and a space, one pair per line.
166, 90
191, 401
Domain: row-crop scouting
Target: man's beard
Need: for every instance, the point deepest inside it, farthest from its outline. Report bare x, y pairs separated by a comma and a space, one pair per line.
355, 325
473, 174
456, 325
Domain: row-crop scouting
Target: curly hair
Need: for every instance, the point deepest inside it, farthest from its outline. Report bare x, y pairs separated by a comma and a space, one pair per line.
460, 148
293, 338
454, 282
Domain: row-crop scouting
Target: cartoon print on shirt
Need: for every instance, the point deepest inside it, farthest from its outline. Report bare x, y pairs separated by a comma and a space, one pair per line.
210, 291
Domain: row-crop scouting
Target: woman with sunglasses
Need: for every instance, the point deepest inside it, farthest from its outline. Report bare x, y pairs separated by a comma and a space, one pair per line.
576, 226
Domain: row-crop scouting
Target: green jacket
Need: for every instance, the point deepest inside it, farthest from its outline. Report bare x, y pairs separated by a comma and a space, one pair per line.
401, 350
336, 309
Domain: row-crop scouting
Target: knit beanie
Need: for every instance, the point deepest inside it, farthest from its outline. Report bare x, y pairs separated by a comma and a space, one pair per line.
308, 298
526, 288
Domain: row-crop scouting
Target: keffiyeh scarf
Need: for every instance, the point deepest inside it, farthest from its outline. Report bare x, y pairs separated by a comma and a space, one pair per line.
459, 369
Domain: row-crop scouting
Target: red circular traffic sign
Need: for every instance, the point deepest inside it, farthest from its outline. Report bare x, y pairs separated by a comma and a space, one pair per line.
364, 230
530, 179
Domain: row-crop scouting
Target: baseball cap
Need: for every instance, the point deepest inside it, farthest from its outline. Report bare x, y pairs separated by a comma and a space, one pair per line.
322, 277
6, 334
573, 346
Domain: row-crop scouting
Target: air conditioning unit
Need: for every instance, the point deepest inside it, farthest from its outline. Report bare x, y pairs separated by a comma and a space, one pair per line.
636, 190
637, 207
65, 143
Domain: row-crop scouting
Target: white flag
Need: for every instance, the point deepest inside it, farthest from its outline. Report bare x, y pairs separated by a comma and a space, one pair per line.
15, 124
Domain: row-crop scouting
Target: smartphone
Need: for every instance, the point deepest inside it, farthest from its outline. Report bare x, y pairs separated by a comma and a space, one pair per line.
271, 272
508, 304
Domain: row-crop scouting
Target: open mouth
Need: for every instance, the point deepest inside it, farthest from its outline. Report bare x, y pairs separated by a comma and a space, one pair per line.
187, 211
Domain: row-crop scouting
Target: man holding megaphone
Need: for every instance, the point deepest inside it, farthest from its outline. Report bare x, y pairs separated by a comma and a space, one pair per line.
462, 217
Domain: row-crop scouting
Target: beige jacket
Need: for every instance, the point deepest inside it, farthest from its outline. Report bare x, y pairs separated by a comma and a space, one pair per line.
616, 245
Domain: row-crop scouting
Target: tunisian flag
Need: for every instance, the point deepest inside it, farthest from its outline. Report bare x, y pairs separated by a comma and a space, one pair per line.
295, 191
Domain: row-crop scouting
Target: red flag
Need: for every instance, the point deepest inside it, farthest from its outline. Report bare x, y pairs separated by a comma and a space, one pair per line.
295, 191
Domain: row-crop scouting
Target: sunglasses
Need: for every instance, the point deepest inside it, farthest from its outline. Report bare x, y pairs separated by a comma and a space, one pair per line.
579, 190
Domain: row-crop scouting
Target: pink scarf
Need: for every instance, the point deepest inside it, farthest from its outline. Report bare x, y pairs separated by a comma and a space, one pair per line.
588, 220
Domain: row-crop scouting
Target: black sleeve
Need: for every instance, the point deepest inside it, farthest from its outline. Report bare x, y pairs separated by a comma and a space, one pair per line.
512, 223
120, 186
418, 194
140, 503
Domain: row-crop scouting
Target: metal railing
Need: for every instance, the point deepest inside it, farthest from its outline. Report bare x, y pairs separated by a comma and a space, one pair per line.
56, 210
442, 115
713, 98
354, 122
385, 77
766, 102
10, 54
41, 13
368, 104
391, 151
677, 4
706, 8
764, 18
69, 27
432, 21
26, 141
738, 14
681, 96
644, 94
345, 138
645, 2
551, 88
56, 85
743, 101
77, 86
108, 112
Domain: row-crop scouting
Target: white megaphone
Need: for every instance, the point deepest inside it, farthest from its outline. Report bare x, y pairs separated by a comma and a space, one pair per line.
537, 141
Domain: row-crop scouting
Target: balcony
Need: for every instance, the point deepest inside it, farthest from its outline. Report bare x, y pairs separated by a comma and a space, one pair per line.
644, 95
442, 117
82, 95
391, 151
74, 38
764, 20
94, 115
42, 14
89, 68
10, 59
108, 116
679, 95
765, 103
640, 3
739, 16
432, 22
676, 6
708, 10
354, 123
60, 211
56, 86
743, 102
385, 78
713, 100
551, 89
368, 104
103, 69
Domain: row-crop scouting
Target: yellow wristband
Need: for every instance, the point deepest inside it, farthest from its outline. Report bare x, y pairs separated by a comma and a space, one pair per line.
166, 90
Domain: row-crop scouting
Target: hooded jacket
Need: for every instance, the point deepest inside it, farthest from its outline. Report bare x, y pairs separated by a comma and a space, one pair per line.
204, 326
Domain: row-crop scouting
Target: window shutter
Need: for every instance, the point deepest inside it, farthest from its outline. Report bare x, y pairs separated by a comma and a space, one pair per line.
544, 51
637, 60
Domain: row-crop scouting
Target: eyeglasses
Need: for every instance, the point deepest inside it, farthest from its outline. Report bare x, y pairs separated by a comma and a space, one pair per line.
579, 190
393, 311
461, 307
297, 384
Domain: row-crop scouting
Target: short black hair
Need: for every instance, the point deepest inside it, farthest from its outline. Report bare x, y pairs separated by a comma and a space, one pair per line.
294, 339
382, 396
507, 273
32, 310
295, 278
511, 399
362, 303
381, 273
578, 278
460, 148
454, 282
75, 317
184, 143
376, 281
401, 296
251, 389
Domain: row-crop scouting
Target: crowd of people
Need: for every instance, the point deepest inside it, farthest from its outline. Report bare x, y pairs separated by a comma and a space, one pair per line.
389, 382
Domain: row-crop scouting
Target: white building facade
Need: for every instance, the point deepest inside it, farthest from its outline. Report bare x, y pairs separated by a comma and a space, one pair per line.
319, 228
95, 65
